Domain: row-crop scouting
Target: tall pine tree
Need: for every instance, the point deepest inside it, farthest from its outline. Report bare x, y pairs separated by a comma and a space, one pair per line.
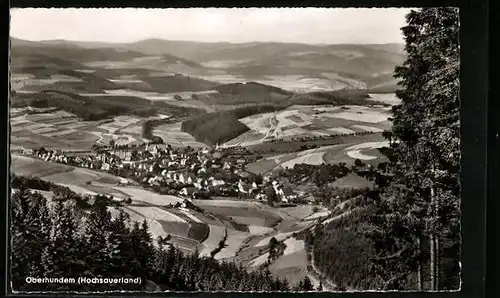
60, 255
417, 221
97, 227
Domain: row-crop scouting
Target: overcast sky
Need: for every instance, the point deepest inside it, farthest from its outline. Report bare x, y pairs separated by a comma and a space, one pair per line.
304, 25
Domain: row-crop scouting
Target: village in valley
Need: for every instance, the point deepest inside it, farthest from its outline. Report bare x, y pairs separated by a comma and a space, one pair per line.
187, 172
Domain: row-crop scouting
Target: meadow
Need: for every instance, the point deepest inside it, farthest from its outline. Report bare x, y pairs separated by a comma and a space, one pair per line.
362, 147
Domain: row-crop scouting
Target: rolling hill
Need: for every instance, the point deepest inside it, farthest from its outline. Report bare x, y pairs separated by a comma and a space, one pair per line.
352, 65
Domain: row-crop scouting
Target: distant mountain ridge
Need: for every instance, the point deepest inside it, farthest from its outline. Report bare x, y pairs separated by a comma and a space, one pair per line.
203, 51
349, 65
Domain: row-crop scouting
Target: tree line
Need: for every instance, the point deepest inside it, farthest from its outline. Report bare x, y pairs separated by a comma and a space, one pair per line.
318, 174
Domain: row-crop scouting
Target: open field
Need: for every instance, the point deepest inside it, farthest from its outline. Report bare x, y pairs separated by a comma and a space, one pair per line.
242, 212
59, 129
105, 189
259, 230
260, 260
315, 158
299, 211
192, 217
356, 151
234, 241
26, 166
172, 134
157, 214
293, 245
155, 227
224, 203
148, 197
187, 245
361, 147
81, 176
215, 235
158, 227
70, 133
79, 189
58, 173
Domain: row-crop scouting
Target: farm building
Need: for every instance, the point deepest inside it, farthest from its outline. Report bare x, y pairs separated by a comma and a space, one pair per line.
187, 191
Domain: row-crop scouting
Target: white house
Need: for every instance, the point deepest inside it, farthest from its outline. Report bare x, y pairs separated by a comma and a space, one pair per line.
261, 197
104, 167
181, 178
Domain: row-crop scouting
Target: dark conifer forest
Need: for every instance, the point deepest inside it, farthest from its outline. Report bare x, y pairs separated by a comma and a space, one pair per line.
57, 239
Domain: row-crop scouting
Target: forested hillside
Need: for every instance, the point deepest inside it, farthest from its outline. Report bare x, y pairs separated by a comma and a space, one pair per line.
56, 239
218, 127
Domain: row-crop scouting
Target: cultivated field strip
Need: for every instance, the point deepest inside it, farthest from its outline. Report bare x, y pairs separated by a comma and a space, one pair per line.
157, 214
215, 235
149, 197
234, 242
190, 216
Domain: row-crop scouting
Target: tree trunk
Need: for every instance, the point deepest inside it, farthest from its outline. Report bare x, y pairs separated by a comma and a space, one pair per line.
432, 266
419, 272
437, 260
435, 207
432, 239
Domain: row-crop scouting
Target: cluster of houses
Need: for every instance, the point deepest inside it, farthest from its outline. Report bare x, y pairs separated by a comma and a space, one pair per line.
180, 171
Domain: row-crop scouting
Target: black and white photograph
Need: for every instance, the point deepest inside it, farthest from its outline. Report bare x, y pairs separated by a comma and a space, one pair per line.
234, 150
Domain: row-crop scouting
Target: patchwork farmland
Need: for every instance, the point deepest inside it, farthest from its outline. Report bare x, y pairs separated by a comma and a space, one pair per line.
298, 122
